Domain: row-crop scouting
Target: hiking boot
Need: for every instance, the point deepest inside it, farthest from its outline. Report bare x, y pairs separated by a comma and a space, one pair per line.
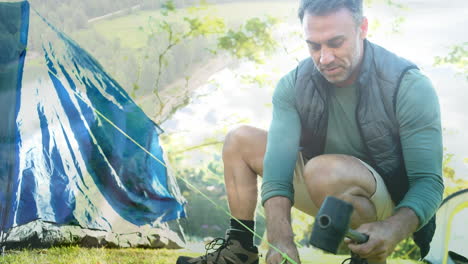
226, 251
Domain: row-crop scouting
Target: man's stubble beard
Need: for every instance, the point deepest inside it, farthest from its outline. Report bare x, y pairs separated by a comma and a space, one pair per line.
343, 75
347, 70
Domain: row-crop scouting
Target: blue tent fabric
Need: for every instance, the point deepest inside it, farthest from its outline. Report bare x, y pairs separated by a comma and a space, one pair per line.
86, 153
14, 23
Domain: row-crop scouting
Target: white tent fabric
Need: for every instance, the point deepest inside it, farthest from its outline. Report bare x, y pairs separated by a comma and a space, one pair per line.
452, 229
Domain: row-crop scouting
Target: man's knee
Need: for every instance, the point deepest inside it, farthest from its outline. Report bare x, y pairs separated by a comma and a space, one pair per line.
247, 141
245, 146
237, 138
323, 171
337, 175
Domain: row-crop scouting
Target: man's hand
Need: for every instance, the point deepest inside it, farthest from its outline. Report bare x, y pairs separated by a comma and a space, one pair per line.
275, 257
279, 230
385, 235
382, 241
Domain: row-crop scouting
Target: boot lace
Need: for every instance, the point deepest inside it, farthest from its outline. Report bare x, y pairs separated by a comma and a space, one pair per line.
215, 246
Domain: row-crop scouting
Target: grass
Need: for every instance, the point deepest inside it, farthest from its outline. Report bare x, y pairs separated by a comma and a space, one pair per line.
77, 255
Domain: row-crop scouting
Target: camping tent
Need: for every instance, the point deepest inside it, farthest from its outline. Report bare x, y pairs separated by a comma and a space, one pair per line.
450, 242
81, 163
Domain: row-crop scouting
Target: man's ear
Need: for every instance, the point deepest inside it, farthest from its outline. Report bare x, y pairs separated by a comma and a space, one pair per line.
363, 28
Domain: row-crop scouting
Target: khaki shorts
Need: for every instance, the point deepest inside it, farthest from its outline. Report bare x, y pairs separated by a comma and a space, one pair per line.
381, 198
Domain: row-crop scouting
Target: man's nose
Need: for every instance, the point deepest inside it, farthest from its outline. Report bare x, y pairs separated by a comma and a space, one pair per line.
326, 56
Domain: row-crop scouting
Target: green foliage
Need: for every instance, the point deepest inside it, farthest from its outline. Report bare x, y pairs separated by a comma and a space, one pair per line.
157, 49
253, 40
457, 57
204, 218
172, 31
451, 181
197, 179
448, 172
302, 227
206, 194
205, 26
164, 34
167, 7
407, 249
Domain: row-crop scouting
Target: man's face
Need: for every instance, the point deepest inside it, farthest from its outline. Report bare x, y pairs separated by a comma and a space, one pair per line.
335, 44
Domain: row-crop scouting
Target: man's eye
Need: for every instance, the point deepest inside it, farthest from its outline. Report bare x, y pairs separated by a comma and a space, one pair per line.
314, 47
336, 44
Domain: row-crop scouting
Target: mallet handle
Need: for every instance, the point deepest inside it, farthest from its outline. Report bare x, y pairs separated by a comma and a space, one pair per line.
356, 236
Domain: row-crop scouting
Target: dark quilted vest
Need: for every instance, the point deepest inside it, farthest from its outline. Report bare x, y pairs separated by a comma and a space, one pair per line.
378, 82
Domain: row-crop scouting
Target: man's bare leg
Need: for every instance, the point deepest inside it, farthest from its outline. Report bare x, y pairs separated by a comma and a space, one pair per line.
243, 152
346, 178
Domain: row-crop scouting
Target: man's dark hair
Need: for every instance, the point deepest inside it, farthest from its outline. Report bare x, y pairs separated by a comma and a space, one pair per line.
325, 7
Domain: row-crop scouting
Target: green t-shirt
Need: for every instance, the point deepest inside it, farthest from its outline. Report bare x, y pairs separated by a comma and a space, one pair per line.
420, 132
343, 131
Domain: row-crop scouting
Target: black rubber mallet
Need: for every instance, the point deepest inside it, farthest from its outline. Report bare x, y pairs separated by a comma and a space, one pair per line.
332, 225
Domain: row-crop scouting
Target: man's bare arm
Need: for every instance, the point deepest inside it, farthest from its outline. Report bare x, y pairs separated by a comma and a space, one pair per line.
279, 230
405, 221
278, 219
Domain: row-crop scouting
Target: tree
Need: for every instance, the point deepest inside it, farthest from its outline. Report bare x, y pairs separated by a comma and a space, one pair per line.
167, 32
457, 57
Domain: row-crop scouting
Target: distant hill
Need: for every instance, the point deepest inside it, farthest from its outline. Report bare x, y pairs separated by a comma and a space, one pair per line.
73, 15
